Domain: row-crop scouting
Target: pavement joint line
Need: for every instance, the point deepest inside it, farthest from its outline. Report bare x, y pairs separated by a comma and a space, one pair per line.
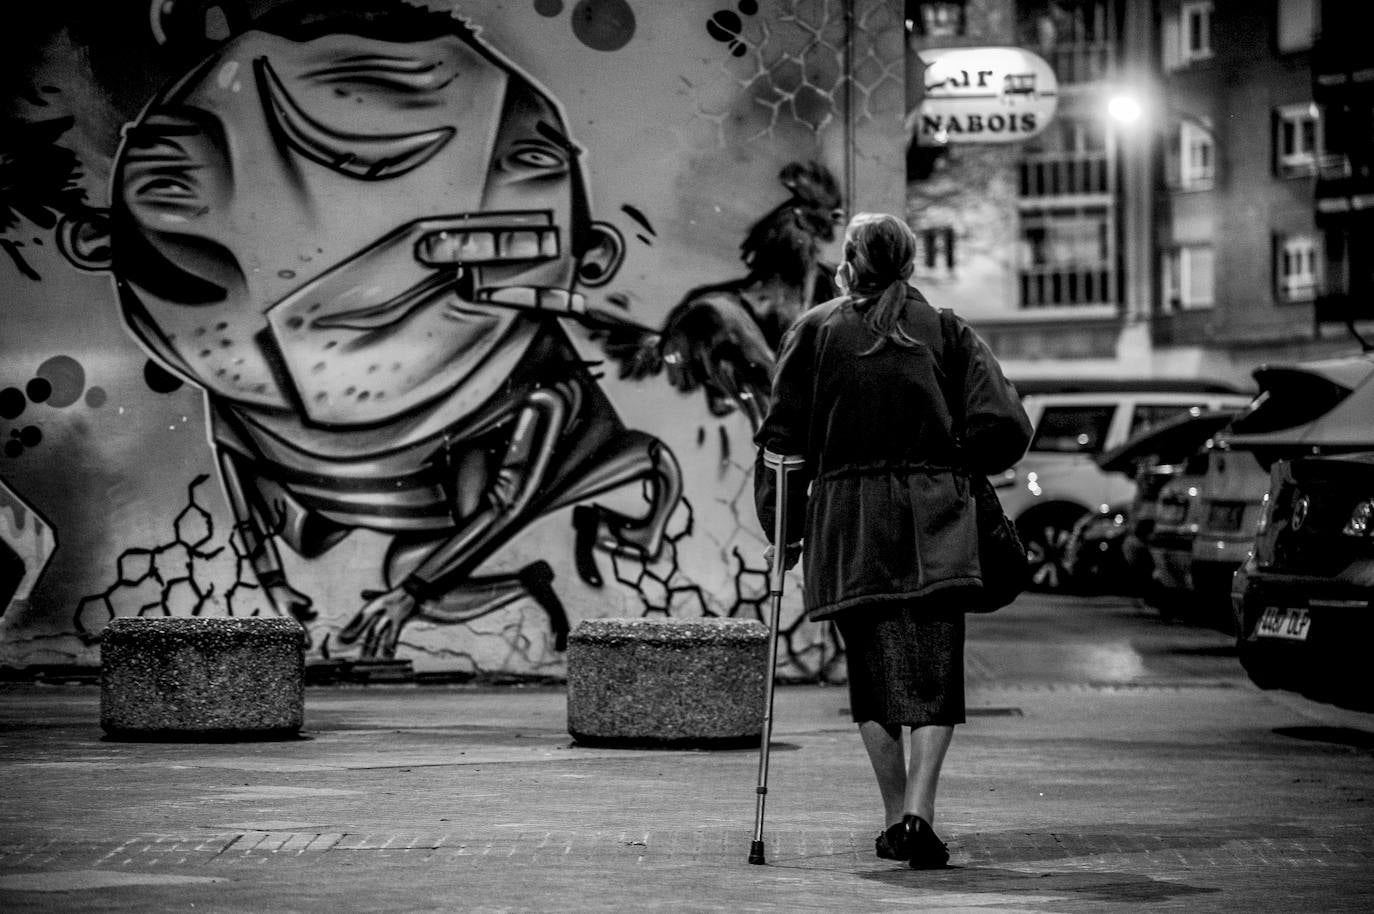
1207, 851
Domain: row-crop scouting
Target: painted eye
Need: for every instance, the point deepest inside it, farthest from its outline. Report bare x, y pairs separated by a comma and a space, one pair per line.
536, 158
164, 187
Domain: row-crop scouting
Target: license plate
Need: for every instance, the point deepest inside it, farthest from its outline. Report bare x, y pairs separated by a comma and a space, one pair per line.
1283, 622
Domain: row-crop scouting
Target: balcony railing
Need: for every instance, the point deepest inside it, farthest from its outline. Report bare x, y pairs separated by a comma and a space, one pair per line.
1062, 175
1067, 286
1340, 63
1343, 185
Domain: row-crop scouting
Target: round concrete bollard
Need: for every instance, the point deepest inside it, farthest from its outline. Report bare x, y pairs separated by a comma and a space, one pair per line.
676, 683
188, 678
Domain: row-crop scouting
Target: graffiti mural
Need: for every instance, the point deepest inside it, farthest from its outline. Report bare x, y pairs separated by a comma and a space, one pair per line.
26, 544
444, 405
722, 337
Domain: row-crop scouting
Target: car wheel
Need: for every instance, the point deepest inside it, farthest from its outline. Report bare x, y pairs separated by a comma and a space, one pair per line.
1046, 536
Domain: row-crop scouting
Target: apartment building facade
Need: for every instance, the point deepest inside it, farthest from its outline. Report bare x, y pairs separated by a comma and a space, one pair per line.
1343, 92
1025, 240
1166, 223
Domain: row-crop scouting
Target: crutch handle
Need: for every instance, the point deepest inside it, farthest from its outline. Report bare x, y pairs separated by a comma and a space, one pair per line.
782, 466
787, 462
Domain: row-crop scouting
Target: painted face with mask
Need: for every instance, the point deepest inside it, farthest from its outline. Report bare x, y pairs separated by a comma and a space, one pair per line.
347, 226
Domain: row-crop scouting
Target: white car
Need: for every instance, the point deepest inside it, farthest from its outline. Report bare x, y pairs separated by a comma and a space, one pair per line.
1058, 481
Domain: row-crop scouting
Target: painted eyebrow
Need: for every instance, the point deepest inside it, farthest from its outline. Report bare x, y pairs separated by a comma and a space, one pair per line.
365, 156
172, 121
557, 137
381, 69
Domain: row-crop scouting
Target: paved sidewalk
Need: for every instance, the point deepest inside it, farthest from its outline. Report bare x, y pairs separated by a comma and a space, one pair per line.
1157, 796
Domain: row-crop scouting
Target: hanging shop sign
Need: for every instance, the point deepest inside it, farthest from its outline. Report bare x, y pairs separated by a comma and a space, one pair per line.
983, 95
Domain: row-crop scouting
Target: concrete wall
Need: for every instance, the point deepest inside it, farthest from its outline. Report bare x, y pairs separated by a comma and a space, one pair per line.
240, 374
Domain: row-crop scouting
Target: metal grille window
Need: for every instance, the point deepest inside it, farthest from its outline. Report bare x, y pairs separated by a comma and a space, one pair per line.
1070, 158
1067, 257
1076, 37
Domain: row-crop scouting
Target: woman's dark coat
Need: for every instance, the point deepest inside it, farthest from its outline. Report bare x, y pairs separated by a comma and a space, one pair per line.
888, 515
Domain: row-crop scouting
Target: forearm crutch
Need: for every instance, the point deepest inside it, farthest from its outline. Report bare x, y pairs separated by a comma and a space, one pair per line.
781, 466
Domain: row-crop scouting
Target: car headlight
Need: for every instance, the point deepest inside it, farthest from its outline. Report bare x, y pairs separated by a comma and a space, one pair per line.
1361, 521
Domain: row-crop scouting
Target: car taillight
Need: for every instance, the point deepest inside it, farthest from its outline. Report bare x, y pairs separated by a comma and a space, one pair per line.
1361, 521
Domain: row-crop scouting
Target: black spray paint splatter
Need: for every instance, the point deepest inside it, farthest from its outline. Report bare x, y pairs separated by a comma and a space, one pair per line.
727, 27
58, 383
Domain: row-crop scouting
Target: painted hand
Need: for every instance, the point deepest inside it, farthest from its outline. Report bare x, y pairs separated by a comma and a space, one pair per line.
290, 602
789, 558
379, 622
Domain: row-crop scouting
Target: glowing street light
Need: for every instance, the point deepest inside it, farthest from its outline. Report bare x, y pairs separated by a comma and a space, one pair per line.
1125, 109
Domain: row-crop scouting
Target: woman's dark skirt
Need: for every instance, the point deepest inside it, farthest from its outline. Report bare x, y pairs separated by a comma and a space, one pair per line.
906, 664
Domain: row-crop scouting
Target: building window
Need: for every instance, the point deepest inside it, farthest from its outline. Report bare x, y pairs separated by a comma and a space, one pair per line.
1197, 30
1192, 156
1295, 267
937, 247
1067, 256
935, 18
1076, 37
1069, 158
1297, 23
1187, 37
1188, 278
1297, 140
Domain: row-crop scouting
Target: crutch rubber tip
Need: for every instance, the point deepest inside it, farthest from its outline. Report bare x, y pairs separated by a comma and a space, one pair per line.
756, 852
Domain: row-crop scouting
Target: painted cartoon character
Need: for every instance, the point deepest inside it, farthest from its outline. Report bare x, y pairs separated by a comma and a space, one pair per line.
359, 230
721, 338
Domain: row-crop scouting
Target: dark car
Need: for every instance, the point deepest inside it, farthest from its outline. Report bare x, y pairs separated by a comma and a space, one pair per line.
1304, 599
1166, 462
1291, 396
1094, 557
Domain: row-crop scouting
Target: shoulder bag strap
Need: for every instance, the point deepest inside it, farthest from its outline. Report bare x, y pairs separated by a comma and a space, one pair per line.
952, 367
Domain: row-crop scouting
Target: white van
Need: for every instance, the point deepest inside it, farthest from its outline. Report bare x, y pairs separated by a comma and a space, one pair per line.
1057, 482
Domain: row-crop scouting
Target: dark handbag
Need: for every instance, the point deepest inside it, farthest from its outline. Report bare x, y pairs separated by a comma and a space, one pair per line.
1004, 566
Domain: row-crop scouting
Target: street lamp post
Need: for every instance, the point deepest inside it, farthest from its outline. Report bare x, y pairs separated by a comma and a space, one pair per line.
1141, 117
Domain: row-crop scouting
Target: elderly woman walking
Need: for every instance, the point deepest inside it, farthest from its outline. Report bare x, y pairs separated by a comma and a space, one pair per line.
891, 425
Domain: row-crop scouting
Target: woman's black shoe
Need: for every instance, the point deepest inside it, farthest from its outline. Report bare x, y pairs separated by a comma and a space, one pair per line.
926, 850
893, 843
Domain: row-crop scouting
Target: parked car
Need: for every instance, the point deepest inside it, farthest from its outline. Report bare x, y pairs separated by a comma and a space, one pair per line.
1058, 482
1235, 481
1094, 557
1165, 462
1304, 599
